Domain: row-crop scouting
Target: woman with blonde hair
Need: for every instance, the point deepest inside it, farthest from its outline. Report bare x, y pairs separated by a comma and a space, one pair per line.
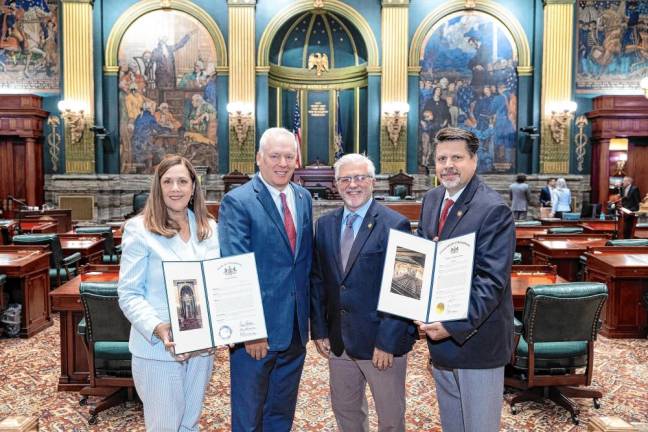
560, 199
174, 226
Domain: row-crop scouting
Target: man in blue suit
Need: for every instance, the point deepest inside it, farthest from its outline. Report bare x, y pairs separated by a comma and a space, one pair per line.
469, 355
271, 217
361, 344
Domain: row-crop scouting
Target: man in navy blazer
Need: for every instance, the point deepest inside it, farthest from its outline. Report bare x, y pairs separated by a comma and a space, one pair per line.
545, 193
361, 344
469, 355
271, 217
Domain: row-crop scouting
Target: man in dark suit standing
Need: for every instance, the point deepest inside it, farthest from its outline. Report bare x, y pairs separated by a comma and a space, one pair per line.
361, 344
469, 355
271, 217
545, 193
630, 196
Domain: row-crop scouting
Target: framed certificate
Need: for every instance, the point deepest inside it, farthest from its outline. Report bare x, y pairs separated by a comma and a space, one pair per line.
425, 280
214, 302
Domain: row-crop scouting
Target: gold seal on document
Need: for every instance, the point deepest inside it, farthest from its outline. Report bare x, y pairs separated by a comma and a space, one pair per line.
439, 308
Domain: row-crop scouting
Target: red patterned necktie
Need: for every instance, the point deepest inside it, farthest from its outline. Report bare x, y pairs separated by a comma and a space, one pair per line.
444, 214
289, 224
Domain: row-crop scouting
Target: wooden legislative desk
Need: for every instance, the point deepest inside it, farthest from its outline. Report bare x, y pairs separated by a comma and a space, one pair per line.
67, 301
62, 216
595, 226
564, 251
625, 271
7, 229
524, 276
560, 222
523, 237
212, 208
89, 245
641, 232
27, 270
410, 209
38, 226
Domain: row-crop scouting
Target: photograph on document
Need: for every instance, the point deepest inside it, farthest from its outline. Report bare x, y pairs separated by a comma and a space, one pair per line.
188, 305
408, 273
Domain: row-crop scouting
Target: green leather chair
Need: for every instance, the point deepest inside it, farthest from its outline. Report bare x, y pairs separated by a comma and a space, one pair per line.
517, 258
565, 230
106, 331
554, 341
62, 268
527, 223
112, 253
627, 242
571, 216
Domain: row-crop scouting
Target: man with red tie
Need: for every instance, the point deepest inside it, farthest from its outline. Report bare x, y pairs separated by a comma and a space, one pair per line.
272, 217
469, 355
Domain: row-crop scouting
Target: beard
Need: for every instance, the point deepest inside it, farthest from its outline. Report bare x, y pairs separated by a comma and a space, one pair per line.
450, 184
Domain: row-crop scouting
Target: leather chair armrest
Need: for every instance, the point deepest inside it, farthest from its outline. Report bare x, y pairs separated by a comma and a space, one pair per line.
517, 326
81, 328
72, 259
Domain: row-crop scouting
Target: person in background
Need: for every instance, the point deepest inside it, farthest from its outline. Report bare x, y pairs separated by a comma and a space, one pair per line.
519, 195
175, 226
360, 344
545, 193
560, 199
630, 196
468, 356
271, 217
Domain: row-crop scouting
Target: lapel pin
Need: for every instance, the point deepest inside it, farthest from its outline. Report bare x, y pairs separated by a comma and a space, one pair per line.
369, 226
459, 213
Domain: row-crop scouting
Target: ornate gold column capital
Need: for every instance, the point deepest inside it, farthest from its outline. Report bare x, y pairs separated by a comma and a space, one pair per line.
241, 3
395, 3
555, 2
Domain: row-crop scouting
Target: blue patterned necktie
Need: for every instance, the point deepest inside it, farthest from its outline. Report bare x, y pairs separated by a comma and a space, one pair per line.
347, 238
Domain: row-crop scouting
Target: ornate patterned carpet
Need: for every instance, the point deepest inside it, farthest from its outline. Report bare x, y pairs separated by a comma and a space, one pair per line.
29, 371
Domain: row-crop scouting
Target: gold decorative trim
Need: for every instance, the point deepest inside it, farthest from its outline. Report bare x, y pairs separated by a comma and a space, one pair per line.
285, 38
262, 70
363, 27
356, 100
288, 77
497, 11
556, 2
374, 70
145, 6
333, 110
525, 70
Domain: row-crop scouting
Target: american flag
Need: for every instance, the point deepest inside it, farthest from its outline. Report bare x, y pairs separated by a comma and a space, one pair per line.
296, 129
339, 142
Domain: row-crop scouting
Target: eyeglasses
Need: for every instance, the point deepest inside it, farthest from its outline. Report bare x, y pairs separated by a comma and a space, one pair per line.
346, 180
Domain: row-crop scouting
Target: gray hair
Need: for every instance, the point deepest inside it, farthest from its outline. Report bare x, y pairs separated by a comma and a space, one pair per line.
275, 134
354, 158
561, 183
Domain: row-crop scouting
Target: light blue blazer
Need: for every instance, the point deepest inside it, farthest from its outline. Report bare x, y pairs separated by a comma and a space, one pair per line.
142, 296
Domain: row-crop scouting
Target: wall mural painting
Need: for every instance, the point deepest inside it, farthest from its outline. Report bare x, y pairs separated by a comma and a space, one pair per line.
167, 92
29, 59
612, 38
469, 80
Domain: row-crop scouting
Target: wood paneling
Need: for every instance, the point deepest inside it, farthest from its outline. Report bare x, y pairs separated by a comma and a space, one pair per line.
21, 148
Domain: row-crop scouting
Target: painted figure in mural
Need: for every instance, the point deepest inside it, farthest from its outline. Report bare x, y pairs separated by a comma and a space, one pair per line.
613, 23
197, 78
427, 134
131, 76
504, 129
145, 130
146, 68
210, 93
163, 56
165, 118
200, 132
50, 46
478, 64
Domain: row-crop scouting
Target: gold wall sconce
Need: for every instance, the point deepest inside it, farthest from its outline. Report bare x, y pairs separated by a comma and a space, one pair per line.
644, 85
395, 118
560, 114
73, 112
241, 120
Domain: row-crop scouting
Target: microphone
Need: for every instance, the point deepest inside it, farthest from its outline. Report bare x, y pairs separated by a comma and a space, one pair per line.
17, 201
